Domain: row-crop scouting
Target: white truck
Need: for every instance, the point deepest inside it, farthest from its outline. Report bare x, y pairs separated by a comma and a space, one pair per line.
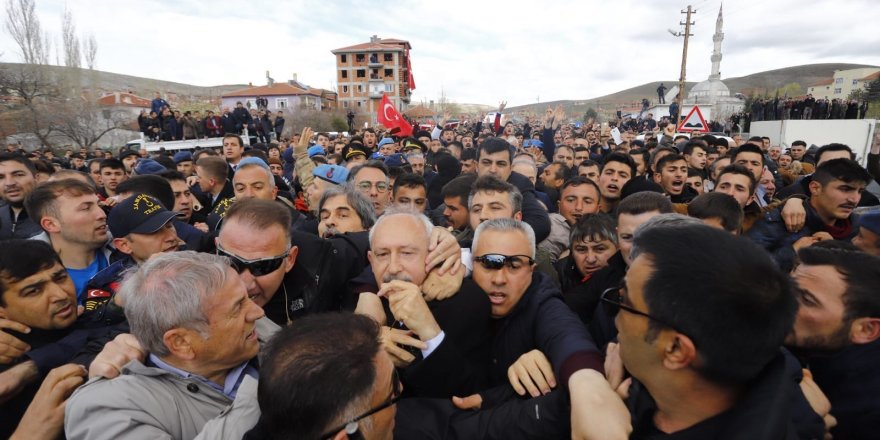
857, 133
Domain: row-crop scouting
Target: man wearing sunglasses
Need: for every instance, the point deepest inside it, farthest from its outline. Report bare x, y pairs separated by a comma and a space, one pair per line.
529, 313
703, 369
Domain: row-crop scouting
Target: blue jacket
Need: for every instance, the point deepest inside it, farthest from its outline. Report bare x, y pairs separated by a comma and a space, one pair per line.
157, 104
770, 233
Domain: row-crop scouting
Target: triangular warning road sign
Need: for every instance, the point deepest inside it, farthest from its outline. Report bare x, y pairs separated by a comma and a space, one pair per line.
693, 122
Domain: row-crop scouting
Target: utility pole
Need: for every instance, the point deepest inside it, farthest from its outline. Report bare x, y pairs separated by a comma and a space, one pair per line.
684, 53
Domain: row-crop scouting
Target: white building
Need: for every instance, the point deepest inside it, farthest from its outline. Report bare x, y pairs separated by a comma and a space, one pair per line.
843, 82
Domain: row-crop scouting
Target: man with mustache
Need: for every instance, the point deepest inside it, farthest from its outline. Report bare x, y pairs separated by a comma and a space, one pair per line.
38, 303
17, 180
342, 210
835, 191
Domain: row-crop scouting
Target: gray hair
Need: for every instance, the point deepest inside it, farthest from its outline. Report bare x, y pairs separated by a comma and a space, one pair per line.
668, 220
403, 210
168, 291
506, 224
264, 168
359, 202
414, 156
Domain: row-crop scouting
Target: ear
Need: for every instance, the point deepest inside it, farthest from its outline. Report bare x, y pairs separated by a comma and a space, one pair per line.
370, 257
814, 187
180, 342
678, 351
291, 259
864, 330
274, 191
3, 313
50, 224
657, 177
517, 215
122, 245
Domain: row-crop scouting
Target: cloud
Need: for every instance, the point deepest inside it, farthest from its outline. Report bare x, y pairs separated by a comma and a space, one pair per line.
473, 52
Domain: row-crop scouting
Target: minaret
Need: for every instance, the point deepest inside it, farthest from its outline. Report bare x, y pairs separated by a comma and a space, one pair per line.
716, 52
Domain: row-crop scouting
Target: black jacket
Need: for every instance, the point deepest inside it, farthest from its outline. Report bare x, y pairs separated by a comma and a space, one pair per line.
763, 411
533, 212
16, 227
318, 279
583, 297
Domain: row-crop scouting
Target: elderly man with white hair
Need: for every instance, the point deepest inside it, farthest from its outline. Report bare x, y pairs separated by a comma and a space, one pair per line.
191, 313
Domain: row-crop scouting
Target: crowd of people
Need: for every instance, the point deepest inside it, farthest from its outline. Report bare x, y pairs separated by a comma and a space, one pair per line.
807, 107
479, 280
164, 123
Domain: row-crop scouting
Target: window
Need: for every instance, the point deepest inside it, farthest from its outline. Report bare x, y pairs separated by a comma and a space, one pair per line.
837, 90
389, 88
345, 74
359, 58
389, 72
343, 58
344, 104
388, 57
359, 104
374, 74
838, 81
374, 58
344, 89
250, 103
360, 88
280, 103
361, 73
855, 82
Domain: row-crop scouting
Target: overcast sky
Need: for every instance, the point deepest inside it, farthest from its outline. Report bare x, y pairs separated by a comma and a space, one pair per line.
474, 51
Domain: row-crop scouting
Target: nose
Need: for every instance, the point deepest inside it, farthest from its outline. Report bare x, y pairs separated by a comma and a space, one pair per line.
394, 266
57, 293
578, 205
499, 278
255, 312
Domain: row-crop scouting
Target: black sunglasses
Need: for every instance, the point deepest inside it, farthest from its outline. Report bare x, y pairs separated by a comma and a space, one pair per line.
351, 426
257, 267
612, 302
497, 261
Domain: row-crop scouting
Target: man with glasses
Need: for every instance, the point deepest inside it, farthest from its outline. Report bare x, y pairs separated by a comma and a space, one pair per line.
371, 179
702, 369
529, 314
346, 388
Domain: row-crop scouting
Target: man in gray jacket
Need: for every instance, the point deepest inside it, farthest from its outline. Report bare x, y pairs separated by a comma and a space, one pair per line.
191, 312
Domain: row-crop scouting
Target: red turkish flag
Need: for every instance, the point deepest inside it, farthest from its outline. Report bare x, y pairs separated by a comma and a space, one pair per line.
391, 119
409, 74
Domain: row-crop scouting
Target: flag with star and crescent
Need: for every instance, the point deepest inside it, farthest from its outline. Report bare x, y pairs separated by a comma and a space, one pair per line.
391, 119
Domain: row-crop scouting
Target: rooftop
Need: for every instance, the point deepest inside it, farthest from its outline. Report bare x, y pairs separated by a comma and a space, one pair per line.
277, 89
378, 45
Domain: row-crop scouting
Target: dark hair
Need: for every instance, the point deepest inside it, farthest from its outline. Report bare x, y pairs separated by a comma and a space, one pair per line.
589, 163
491, 183
459, 187
259, 214
669, 158
494, 145
691, 145
316, 373
581, 149
409, 180
693, 172
749, 148
149, 184
644, 201
468, 154
860, 270
214, 166
657, 151
561, 170
113, 164
717, 205
578, 181
13, 157
741, 170
623, 158
376, 164
44, 166
751, 308
233, 135
256, 152
801, 143
20, 259
172, 176
846, 170
595, 227
41, 201
834, 147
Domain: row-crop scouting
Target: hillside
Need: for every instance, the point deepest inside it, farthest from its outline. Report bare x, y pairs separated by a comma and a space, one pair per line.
769, 80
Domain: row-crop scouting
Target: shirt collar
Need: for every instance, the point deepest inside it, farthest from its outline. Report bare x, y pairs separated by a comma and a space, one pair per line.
230, 386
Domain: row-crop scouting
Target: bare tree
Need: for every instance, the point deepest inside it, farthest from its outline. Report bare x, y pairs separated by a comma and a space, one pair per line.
90, 50
36, 94
24, 26
85, 123
69, 40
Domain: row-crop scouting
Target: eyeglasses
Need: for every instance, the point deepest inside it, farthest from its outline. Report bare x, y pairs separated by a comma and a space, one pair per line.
612, 301
257, 267
351, 426
497, 261
380, 186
